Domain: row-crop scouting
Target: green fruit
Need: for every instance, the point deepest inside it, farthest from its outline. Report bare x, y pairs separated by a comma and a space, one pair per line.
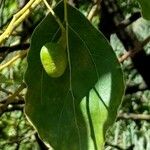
54, 59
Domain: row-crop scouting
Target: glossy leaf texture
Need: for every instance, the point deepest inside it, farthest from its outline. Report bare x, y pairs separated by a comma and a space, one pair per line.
145, 5
74, 111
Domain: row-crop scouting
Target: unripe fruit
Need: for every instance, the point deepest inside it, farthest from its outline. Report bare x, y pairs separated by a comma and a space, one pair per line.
54, 59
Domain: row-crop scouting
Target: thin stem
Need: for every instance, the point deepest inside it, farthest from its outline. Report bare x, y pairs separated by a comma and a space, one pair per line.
54, 15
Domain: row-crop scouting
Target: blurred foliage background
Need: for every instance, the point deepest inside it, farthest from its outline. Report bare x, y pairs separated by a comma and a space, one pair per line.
132, 127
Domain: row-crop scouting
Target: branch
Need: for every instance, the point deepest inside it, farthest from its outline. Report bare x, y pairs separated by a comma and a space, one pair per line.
18, 18
134, 116
14, 48
15, 101
128, 21
131, 53
111, 17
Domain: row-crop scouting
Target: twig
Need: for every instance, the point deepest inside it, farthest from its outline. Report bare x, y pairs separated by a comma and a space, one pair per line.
20, 55
146, 41
54, 15
10, 99
119, 147
134, 116
19, 100
92, 12
18, 18
125, 56
5, 91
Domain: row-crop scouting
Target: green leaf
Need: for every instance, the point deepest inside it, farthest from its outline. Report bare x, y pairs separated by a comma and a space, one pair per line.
74, 111
145, 5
